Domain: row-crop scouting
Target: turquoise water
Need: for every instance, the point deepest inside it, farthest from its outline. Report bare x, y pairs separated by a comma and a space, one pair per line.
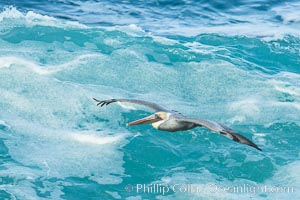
234, 63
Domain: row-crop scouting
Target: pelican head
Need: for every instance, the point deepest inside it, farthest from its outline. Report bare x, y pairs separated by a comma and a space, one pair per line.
154, 119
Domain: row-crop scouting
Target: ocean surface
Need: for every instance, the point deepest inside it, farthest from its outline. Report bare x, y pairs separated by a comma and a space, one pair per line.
235, 62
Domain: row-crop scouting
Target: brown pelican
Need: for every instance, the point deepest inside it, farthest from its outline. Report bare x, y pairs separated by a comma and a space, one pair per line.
170, 120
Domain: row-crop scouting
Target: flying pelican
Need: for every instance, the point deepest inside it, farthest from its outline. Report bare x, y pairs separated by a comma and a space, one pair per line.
170, 120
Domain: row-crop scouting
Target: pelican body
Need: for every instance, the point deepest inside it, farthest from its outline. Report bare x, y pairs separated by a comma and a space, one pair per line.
172, 121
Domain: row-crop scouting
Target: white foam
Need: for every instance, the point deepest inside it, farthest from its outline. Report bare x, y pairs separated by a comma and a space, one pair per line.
262, 112
18, 101
112, 42
260, 99
94, 139
289, 12
163, 40
136, 31
206, 184
292, 91
23, 179
258, 25
286, 86
260, 134
10, 12
38, 19
295, 105
3, 123
288, 75
131, 29
63, 154
7, 62
248, 107
34, 19
265, 30
81, 59
202, 48
127, 106
287, 176
115, 195
252, 23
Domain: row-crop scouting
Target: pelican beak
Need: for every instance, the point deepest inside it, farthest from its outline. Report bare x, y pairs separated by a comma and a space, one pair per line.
147, 120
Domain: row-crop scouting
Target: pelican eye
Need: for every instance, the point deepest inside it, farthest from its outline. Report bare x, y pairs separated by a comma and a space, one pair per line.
157, 116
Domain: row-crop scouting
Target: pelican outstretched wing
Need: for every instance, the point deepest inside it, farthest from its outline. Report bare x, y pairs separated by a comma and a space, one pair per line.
221, 129
151, 105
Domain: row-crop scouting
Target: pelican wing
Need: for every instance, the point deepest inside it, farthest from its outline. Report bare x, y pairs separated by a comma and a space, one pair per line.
151, 105
222, 129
